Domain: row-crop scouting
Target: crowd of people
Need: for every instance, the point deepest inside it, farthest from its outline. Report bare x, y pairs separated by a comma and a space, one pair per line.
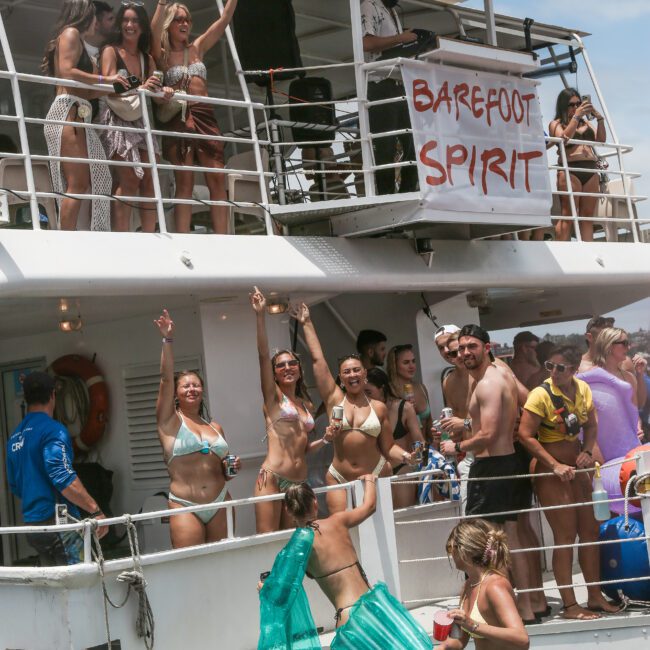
131, 51
500, 434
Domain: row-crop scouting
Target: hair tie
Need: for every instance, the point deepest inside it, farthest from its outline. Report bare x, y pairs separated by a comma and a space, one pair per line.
489, 553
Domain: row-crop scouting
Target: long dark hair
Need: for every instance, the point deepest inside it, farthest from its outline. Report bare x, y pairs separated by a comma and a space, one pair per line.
79, 14
562, 104
144, 42
301, 389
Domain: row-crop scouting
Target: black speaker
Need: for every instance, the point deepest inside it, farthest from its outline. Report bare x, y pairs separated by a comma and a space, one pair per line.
311, 89
265, 36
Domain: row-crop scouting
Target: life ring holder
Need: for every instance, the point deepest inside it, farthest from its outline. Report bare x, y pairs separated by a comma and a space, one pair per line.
76, 366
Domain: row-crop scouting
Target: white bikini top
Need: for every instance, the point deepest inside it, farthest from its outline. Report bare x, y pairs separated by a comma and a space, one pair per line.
371, 426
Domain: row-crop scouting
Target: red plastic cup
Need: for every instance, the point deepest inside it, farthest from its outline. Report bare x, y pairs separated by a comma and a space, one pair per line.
442, 623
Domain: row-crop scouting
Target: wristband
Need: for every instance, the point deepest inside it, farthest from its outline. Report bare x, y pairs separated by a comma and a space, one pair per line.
167, 339
325, 441
101, 79
95, 514
475, 627
588, 453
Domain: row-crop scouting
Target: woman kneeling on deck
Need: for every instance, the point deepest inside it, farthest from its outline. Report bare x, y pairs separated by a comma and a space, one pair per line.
194, 449
366, 617
553, 417
365, 442
487, 612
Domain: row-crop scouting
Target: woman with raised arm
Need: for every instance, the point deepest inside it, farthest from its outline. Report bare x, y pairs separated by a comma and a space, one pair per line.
182, 63
194, 448
287, 412
406, 431
322, 549
401, 367
66, 58
487, 612
365, 442
128, 50
553, 417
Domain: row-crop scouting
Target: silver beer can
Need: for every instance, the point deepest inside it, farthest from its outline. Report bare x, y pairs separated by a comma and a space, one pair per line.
447, 412
230, 465
337, 416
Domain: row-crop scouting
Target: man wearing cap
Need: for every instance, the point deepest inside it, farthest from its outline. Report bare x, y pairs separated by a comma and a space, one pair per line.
40, 473
493, 412
524, 362
441, 339
371, 346
637, 365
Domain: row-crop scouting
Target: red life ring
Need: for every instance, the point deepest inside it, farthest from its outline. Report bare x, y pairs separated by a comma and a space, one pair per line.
74, 365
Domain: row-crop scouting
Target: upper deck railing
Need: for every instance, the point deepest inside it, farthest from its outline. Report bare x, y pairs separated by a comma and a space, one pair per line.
275, 165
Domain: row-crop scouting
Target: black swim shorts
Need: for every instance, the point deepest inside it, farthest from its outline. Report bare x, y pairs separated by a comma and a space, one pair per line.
490, 498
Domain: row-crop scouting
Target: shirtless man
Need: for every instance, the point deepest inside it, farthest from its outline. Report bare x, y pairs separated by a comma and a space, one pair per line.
524, 363
637, 365
493, 410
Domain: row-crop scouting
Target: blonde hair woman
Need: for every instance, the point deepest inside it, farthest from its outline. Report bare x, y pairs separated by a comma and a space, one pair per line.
401, 366
487, 612
181, 59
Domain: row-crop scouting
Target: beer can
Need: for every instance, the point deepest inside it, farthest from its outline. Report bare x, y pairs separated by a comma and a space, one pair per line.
408, 392
230, 465
160, 75
337, 416
447, 412
418, 448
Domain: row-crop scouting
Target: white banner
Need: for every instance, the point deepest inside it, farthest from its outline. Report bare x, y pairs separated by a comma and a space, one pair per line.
479, 140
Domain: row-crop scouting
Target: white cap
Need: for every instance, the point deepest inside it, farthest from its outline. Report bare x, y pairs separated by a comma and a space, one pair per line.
444, 330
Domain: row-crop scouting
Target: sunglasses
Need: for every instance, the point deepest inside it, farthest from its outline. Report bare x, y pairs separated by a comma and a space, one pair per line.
560, 367
137, 3
624, 342
452, 353
574, 104
292, 363
347, 357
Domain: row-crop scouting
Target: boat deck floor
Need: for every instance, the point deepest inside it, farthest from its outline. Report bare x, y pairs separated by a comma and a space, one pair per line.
424, 614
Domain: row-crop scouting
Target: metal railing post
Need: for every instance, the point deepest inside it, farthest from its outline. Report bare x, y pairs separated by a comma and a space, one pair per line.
88, 543
569, 187
361, 80
643, 467
151, 150
268, 222
22, 129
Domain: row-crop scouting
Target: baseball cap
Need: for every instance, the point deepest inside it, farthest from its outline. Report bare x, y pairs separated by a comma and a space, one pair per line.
600, 322
444, 330
525, 337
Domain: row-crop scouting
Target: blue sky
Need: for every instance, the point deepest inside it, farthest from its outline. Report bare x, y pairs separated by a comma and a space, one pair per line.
619, 51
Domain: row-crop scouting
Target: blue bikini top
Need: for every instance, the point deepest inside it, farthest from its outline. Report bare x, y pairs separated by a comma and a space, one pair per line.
187, 442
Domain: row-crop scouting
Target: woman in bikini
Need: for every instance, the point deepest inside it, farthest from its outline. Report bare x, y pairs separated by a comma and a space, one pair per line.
571, 123
194, 448
182, 63
128, 50
288, 425
66, 58
364, 442
401, 367
406, 431
322, 549
487, 612
557, 448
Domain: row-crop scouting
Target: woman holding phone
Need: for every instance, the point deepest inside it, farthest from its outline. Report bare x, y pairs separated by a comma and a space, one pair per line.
572, 122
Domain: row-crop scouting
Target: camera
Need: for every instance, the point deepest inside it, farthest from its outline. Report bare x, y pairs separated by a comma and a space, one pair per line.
133, 81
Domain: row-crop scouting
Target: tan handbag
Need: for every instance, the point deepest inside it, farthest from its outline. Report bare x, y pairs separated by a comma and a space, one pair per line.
127, 107
167, 111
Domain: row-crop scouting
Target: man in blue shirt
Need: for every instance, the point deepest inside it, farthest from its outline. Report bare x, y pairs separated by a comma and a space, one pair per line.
40, 473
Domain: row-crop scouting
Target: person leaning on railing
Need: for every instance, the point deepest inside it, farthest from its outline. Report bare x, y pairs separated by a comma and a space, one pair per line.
66, 58
487, 612
182, 62
572, 115
550, 432
127, 51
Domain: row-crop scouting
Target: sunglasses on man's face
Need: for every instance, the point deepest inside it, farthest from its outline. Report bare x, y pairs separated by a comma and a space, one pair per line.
291, 363
560, 367
452, 353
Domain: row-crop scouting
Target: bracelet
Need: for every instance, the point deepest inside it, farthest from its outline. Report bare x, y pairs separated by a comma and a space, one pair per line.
475, 627
167, 339
588, 453
95, 514
101, 79
324, 441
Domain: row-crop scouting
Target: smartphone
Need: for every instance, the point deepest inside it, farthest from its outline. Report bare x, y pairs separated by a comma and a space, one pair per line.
586, 99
